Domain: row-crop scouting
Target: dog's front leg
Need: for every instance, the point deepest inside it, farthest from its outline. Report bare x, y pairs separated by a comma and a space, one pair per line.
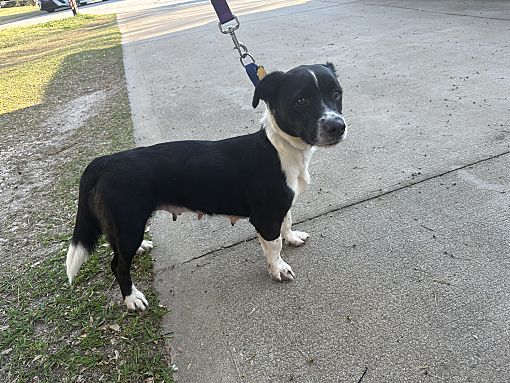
276, 266
294, 238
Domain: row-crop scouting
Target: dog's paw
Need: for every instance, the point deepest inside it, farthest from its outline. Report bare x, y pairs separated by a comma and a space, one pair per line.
296, 238
281, 271
136, 300
144, 246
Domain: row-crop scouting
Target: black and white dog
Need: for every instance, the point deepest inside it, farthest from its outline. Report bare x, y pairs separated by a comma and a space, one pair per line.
256, 176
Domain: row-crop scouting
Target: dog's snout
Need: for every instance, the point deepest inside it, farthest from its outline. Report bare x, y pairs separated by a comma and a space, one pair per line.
331, 129
333, 126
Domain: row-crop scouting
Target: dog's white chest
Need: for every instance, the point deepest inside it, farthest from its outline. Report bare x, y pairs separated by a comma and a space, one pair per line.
295, 167
294, 155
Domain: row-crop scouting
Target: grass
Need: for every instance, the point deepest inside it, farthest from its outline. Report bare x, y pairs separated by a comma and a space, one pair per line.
8, 15
31, 58
50, 331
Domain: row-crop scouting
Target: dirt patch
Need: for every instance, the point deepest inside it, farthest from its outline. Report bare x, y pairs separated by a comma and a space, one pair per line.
78, 111
29, 166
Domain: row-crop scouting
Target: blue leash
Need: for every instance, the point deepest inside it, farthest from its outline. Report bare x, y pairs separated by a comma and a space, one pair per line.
228, 24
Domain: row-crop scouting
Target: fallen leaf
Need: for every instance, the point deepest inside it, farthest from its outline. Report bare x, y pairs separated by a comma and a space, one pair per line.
36, 358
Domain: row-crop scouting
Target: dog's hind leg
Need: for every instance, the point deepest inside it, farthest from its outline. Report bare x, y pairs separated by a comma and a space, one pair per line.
294, 238
144, 246
125, 247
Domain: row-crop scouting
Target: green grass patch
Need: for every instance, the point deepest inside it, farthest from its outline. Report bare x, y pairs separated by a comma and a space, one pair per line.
32, 56
8, 15
50, 331
59, 333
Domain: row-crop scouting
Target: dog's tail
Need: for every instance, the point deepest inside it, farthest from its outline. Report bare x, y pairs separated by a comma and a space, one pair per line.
87, 229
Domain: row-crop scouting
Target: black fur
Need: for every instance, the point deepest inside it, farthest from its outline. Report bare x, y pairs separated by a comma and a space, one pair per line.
239, 176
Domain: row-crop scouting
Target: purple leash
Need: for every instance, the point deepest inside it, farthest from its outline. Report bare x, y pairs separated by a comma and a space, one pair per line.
223, 11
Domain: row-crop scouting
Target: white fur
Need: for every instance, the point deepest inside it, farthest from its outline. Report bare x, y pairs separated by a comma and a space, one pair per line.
344, 135
294, 155
294, 238
332, 114
144, 246
136, 300
276, 266
314, 77
293, 152
328, 113
76, 256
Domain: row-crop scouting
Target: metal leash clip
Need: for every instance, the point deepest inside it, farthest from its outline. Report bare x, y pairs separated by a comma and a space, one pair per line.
238, 45
228, 27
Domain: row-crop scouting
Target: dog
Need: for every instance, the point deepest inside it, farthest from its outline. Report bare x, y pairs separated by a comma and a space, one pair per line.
256, 176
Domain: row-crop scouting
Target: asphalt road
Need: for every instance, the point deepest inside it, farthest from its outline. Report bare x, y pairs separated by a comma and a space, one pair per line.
406, 275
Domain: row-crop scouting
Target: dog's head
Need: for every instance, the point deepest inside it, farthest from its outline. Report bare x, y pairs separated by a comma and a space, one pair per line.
306, 102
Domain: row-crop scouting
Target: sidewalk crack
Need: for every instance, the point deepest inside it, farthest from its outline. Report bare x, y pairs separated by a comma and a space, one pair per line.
346, 206
436, 12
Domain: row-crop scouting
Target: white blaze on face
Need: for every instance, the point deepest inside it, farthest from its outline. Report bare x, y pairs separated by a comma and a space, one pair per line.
314, 77
327, 114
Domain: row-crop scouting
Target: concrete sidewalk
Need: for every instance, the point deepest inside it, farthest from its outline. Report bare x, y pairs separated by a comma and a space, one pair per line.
407, 269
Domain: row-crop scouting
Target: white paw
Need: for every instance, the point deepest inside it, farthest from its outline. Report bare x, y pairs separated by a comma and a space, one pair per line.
281, 271
296, 238
136, 301
144, 246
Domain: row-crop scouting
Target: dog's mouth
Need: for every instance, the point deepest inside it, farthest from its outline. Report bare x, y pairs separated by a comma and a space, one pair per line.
328, 144
331, 131
331, 141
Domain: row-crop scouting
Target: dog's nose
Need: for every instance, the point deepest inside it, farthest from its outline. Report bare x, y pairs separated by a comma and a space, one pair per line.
333, 126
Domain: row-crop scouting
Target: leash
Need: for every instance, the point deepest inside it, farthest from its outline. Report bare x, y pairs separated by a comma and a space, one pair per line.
228, 24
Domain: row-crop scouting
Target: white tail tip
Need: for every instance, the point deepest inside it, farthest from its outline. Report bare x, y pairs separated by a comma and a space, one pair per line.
77, 255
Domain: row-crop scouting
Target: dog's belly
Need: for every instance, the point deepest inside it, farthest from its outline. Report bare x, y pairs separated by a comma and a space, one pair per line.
178, 210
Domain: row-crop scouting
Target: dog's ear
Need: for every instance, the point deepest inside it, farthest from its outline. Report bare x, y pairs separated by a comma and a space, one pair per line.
331, 67
267, 88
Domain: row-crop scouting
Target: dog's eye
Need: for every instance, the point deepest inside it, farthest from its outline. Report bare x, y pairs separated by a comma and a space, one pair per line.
301, 101
337, 95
